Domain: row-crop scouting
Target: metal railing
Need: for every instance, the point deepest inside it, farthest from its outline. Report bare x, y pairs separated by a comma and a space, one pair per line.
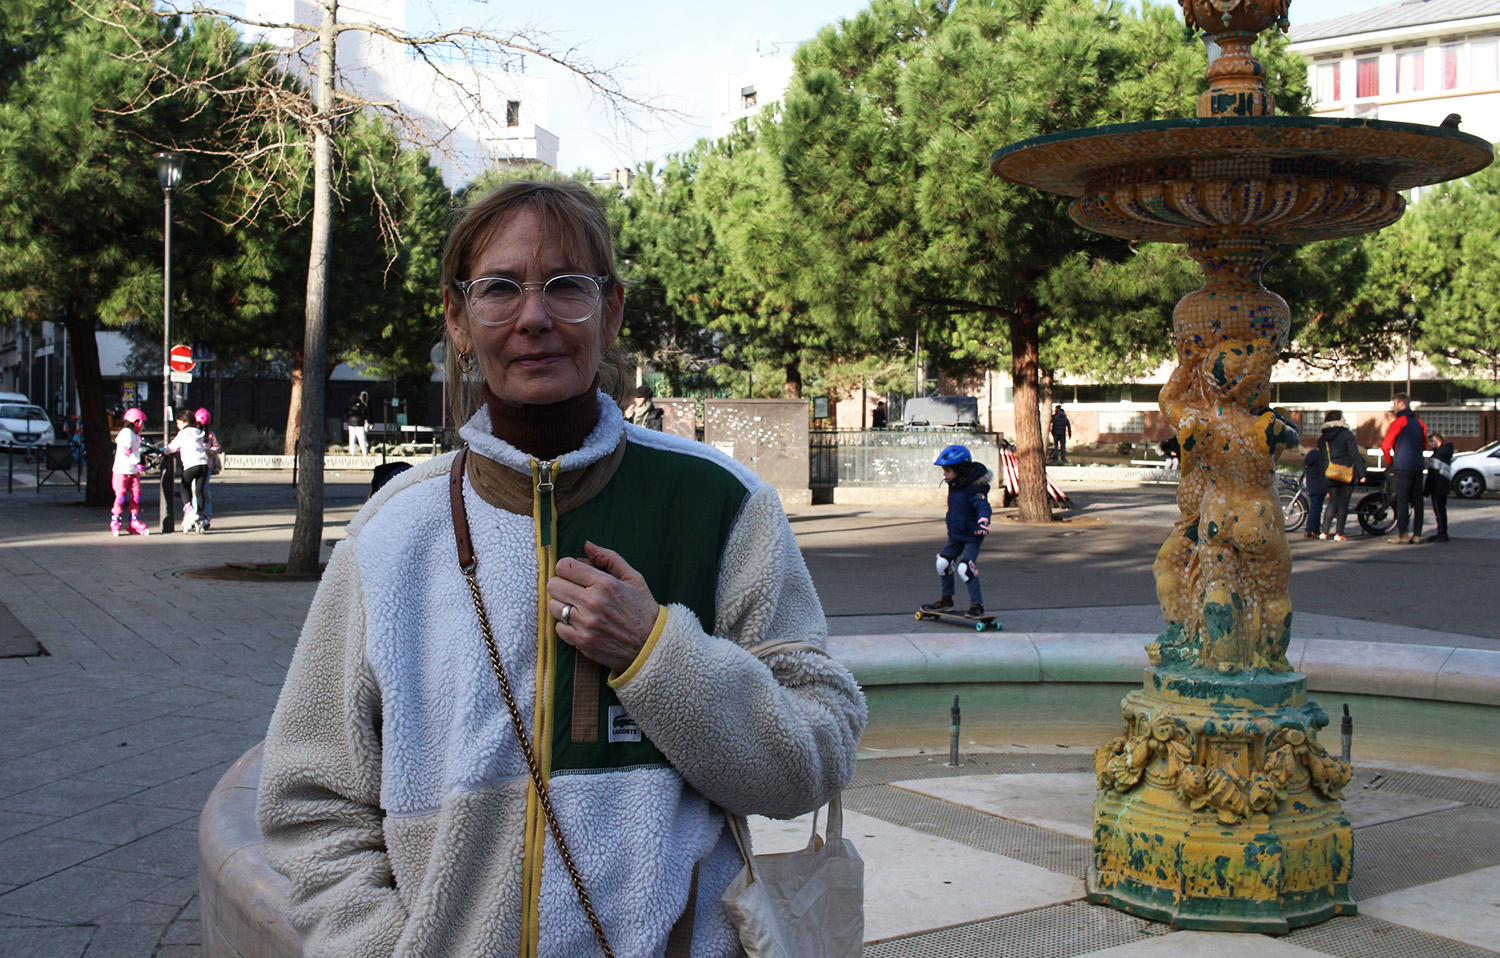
889, 457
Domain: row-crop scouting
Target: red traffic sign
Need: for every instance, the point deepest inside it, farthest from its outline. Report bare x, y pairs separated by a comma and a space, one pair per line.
182, 359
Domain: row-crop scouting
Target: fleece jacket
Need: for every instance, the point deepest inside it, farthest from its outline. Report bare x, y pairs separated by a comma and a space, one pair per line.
394, 794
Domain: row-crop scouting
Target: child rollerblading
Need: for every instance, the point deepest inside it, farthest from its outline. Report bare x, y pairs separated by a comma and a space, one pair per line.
968, 523
127, 474
191, 445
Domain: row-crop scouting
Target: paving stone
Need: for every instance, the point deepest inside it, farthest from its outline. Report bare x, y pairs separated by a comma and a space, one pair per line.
142, 913
35, 855
188, 792
171, 851
81, 894
66, 797
49, 942
179, 894
183, 933
117, 823
124, 941
18, 823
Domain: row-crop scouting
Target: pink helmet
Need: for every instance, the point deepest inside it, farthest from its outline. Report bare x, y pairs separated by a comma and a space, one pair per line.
135, 416
201, 417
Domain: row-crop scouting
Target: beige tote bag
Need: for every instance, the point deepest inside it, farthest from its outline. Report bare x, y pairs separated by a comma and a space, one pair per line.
803, 904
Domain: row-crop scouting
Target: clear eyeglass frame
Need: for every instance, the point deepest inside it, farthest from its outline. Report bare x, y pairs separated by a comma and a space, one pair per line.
485, 315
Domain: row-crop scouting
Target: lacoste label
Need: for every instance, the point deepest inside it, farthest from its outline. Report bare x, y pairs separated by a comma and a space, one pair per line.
622, 727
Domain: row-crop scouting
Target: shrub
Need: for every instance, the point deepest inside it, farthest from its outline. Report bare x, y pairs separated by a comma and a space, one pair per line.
246, 439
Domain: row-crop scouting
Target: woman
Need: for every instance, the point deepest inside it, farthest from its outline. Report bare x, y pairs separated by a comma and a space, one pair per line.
1439, 482
626, 573
1339, 448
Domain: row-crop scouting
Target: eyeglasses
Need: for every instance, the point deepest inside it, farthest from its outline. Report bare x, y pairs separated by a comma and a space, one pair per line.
496, 301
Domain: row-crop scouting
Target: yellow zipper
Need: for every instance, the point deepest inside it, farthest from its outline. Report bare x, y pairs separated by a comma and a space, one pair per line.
544, 517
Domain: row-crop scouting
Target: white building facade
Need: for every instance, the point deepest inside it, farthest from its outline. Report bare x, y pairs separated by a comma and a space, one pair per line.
473, 112
742, 95
1413, 62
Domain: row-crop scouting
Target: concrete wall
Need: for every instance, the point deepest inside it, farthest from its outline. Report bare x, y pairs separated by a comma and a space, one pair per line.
768, 435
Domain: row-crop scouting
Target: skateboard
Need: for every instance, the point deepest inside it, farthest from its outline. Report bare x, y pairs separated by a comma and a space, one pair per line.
981, 623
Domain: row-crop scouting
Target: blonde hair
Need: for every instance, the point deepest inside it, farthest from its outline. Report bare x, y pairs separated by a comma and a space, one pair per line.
572, 218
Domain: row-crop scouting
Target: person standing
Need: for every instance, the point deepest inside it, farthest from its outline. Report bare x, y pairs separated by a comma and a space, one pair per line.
127, 474
879, 417
642, 411
1439, 482
968, 523
1062, 431
356, 414
1403, 445
1315, 483
1339, 449
191, 446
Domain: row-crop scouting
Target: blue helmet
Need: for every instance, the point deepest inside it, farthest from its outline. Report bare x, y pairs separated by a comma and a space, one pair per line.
952, 456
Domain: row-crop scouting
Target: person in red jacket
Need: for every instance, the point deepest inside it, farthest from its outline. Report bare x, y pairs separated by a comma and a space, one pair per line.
1402, 447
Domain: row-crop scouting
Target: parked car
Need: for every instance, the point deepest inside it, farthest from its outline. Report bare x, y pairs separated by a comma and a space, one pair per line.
23, 426
950, 411
1476, 472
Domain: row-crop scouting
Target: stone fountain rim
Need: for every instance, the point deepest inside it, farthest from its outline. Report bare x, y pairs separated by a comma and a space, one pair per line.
1054, 169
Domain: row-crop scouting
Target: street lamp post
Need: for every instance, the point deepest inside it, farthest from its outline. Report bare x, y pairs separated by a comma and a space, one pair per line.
169, 174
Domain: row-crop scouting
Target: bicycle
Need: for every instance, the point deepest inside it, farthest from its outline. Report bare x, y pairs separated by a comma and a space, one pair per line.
1376, 511
1294, 501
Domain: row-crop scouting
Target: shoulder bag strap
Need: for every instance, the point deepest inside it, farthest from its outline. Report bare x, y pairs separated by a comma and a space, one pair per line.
468, 564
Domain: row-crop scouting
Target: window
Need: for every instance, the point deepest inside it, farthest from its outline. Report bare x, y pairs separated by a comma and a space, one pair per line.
1410, 74
1450, 67
1146, 392
1095, 393
748, 98
1451, 422
1483, 62
1328, 90
1302, 392
1117, 423
512, 112
1367, 77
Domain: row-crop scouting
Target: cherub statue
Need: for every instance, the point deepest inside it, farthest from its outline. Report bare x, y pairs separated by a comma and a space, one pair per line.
1222, 575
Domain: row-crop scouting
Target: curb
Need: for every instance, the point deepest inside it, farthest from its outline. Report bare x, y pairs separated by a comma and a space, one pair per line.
1429, 673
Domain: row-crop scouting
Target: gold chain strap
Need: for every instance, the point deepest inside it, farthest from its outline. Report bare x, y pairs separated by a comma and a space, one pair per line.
531, 763
469, 566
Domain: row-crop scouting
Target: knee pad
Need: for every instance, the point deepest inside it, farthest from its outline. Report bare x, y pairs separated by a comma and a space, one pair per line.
943, 565
967, 571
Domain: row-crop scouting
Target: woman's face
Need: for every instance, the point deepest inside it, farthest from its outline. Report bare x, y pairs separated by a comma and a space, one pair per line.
533, 359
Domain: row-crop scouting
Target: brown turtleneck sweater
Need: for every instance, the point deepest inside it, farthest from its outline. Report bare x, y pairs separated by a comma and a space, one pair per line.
543, 432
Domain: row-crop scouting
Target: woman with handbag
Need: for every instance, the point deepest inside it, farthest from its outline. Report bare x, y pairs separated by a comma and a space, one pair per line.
538, 671
1343, 468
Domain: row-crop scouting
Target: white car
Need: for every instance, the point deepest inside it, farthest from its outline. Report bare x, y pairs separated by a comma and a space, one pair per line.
23, 425
1477, 471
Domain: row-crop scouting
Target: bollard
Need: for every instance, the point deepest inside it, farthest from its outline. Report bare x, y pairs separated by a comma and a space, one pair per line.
953, 723
1346, 731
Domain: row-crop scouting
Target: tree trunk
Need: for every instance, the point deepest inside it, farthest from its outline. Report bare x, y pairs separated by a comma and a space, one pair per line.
294, 410
96, 439
1030, 452
307, 531
793, 365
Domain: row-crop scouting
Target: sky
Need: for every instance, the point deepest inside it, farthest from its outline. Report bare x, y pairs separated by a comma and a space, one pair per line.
670, 51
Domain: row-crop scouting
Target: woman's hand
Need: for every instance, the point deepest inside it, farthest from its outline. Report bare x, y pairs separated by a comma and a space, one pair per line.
612, 608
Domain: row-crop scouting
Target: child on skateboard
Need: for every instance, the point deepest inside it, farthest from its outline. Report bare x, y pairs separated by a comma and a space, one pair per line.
968, 524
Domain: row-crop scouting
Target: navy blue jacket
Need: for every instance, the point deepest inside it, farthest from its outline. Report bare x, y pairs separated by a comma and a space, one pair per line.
1405, 441
968, 501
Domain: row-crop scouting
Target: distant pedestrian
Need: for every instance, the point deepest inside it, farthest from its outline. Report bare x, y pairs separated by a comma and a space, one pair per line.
127, 474
643, 411
1439, 482
1343, 468
1171, 452
191, 446
1062, 431
880, 417
968, 523
1402, 447
1315, 484
356, 415
211, 445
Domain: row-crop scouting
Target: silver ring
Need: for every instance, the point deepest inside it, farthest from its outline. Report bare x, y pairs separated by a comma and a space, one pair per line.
562, 616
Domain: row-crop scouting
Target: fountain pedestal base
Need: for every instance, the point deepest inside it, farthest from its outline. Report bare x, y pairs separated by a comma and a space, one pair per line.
1218, 809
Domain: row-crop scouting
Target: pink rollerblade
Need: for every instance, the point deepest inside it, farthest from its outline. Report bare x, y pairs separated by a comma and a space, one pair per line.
114, 525
137, 526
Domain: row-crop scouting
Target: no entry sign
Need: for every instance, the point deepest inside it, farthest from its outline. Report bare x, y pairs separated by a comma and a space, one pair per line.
182, 359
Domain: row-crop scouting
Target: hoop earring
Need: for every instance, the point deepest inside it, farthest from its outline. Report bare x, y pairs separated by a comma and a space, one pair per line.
466, 362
